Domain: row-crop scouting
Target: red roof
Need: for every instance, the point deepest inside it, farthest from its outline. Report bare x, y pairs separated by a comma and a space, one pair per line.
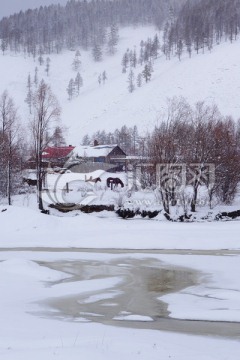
57, 152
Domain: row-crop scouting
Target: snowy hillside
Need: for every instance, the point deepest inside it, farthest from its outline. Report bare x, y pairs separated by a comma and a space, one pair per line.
212, 77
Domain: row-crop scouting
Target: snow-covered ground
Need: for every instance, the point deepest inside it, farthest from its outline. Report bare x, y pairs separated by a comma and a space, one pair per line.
213, 77
23, 227
25, 282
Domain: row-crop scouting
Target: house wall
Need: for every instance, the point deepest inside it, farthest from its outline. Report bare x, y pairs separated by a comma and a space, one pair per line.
117, 153
100, 159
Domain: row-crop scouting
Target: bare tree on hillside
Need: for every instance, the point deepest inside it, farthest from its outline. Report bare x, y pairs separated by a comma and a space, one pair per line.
47, 66
36, 76
76, 61
28, 99
104, 76
113, 38
146, 73
139, 80
131, 78
97, 52
78, 82
71, 89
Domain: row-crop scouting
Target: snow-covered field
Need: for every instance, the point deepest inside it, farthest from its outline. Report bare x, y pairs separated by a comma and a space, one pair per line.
27, 333
213, 77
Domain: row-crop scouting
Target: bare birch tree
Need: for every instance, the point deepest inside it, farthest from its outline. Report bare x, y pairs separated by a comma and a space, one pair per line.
8, 144
46, 111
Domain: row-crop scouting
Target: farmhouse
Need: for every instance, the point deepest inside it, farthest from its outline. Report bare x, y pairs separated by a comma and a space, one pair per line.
103, 154
57, 156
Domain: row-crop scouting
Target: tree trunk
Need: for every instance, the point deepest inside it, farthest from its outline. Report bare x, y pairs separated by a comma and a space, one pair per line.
165, 200
194, 199
39, 181
9, 173
40, 201
9, 183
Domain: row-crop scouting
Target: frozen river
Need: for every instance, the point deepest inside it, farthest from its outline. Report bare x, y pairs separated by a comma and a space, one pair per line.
138, 281
121, 304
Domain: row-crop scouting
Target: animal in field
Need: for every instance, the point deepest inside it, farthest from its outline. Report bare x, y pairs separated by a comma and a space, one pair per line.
114, 182
30, 182
95, 180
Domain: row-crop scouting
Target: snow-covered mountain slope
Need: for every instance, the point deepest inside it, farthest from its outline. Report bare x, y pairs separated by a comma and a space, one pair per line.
213, 77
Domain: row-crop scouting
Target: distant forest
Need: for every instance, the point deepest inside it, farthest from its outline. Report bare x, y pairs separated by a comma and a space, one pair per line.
188, 25
78, 24
84, 24
200, 25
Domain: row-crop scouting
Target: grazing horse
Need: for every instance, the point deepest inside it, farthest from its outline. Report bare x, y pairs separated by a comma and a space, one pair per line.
114, 181
30, 182
95, 180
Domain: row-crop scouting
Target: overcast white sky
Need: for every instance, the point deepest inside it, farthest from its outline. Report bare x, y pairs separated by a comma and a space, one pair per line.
8, 7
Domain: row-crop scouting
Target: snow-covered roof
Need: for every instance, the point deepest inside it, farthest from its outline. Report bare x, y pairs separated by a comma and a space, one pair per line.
57, 152
92, 151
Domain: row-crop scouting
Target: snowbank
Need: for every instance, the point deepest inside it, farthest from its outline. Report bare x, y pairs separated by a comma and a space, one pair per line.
23, 227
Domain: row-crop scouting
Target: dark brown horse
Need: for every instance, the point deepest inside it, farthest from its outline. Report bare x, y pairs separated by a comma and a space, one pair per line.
30, 182
114, 182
